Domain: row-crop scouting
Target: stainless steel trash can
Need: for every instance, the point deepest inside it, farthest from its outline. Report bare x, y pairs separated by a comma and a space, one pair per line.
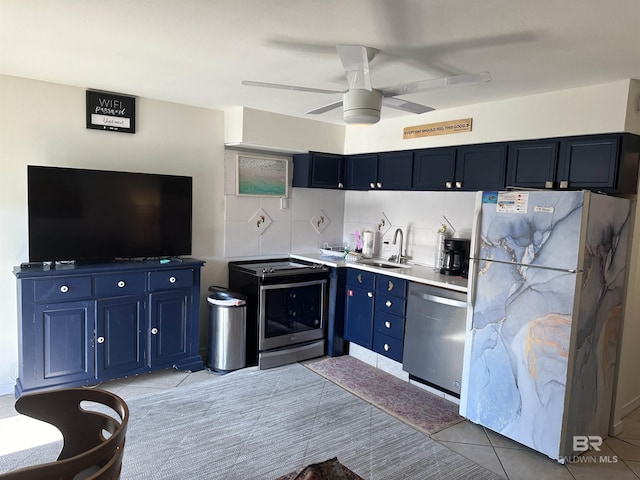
227, 330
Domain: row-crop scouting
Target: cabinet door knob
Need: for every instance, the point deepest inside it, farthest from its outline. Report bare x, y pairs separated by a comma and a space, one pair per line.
387, 324
388, 303
64, 288
448, 184
340, 185
458, 184
121, 283
387, 347
548, 184
154, 331
370, 294
172, 279
100, 339
372, 185
564, 184
379, 185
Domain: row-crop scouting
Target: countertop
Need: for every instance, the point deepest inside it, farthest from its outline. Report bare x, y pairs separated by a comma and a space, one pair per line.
414, 273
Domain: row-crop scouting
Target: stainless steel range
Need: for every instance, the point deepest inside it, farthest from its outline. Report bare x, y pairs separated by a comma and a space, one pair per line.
286, 309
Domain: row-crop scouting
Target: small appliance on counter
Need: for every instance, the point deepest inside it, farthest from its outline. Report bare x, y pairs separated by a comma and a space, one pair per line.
456, 256
368, 244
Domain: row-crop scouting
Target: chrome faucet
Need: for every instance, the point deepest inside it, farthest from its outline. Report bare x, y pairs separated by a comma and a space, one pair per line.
398, 258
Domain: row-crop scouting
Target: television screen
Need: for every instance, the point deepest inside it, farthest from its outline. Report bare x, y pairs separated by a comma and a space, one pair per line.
96, 215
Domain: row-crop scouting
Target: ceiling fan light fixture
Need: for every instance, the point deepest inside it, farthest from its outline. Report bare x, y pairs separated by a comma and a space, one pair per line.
362, 107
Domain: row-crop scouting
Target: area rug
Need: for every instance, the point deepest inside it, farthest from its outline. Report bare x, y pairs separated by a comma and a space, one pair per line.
262, 424
408, 403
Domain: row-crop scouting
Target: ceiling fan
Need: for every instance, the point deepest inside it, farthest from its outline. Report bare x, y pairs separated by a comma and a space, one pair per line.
361, 102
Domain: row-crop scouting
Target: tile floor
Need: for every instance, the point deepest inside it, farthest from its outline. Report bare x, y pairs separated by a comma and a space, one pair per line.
495, 452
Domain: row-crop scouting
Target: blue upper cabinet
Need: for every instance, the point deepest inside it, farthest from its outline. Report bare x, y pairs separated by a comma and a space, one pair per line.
434, 168
318, 170
481, 167
362, 171
471, 167
607, 163
382, 171
533, 164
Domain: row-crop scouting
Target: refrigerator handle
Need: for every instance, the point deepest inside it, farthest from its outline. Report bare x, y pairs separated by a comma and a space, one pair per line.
476, 234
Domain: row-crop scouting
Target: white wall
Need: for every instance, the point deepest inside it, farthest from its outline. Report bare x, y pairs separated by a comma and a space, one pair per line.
595, 109
44, 124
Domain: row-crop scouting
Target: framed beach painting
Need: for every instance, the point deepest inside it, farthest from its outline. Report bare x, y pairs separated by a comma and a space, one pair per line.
262, 176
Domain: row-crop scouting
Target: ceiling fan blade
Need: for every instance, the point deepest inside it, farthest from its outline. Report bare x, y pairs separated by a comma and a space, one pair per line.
251, 83
405, 106
355, 60
423, 85
326, 108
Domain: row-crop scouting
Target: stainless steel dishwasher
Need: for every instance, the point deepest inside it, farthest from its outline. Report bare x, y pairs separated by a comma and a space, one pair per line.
434, 336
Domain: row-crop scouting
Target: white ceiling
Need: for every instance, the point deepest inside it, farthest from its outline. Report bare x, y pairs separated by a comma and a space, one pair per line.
196, 52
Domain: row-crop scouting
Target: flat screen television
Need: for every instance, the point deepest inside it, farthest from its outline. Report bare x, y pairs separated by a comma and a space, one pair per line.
97, 215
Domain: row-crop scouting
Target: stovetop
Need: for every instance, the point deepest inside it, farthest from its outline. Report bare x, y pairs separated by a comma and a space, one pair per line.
276, 267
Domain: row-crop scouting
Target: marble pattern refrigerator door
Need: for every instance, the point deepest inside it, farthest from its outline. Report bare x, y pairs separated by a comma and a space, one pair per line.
533, 335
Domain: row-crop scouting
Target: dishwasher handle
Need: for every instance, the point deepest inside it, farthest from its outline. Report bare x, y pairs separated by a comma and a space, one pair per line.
443, 300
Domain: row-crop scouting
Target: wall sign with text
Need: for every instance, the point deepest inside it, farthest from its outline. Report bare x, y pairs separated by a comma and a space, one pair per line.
110, 111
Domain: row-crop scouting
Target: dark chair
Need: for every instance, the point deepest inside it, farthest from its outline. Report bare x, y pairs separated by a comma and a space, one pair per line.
87, 452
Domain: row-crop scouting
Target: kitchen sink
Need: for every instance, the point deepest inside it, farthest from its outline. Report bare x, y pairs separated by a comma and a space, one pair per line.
383, 264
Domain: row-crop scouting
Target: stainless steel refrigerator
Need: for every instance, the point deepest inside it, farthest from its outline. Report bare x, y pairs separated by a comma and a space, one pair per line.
546, 290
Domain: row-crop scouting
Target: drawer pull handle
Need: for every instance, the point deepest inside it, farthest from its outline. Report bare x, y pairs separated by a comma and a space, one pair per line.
359, 278
387, 347
387, 324
172, 279
121, 283
100, 339
388, 304
370, 294
64, 288
154, 331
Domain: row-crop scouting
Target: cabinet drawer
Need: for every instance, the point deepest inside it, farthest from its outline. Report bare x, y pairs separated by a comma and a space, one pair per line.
360, 278
387, 346
119, 284
62, 288
391, 325
162, 280
389, 304
391, 286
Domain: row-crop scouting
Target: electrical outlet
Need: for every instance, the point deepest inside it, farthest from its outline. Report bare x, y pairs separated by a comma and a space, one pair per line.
386, 246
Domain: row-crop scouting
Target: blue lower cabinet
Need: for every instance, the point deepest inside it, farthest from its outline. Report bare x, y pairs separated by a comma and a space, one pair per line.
374, 312
388, 346
83, 324
358, 325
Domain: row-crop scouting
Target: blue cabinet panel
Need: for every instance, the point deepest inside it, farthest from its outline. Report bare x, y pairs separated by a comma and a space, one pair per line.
65, 353
120, 333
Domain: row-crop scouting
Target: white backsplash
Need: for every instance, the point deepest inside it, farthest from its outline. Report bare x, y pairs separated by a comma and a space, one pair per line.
418, 214
294, 224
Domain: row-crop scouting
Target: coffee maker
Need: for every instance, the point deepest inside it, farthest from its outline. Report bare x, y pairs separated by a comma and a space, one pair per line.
456, 257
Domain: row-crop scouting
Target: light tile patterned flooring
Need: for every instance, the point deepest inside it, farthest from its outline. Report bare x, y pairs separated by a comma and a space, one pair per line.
494, 452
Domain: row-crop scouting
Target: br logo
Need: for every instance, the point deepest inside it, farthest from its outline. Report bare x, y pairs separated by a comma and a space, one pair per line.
581, 443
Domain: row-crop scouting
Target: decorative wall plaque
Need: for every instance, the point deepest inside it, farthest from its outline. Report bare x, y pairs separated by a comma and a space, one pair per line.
111, 111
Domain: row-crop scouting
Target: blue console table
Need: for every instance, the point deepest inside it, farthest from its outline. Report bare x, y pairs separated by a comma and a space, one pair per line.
83, 324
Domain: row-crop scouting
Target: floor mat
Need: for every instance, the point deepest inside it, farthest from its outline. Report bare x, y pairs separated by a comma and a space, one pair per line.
409, 403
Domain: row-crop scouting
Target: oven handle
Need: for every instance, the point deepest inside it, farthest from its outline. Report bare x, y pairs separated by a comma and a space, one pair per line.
293, 284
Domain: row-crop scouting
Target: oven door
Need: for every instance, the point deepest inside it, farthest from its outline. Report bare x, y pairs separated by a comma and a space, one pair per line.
291, 313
